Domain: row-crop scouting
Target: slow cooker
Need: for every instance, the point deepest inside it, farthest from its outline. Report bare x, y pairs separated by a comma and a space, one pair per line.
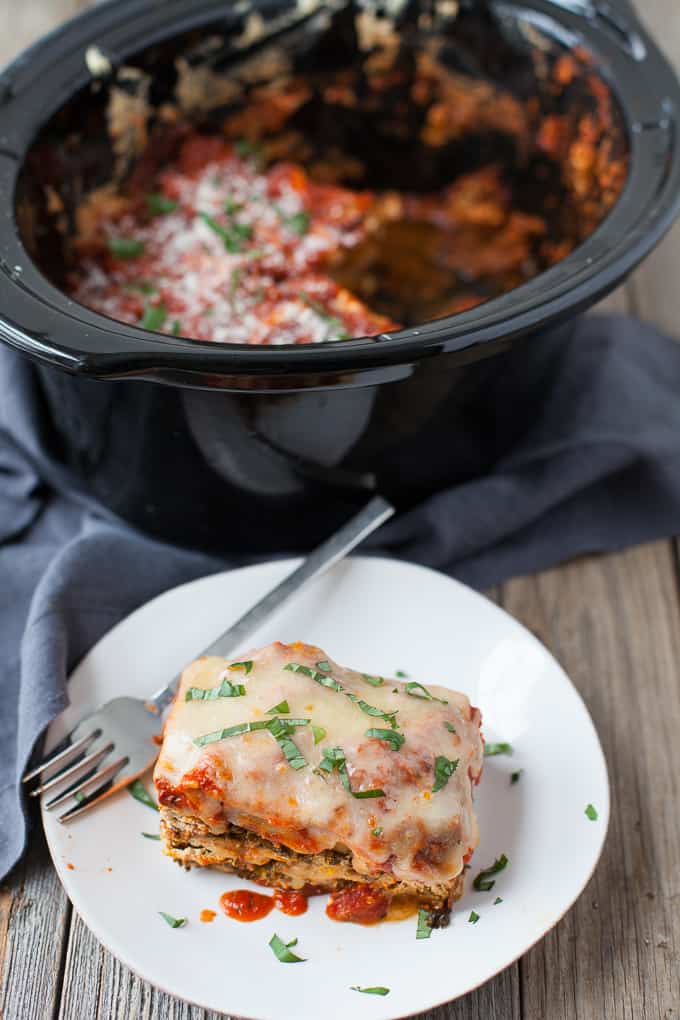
231, 447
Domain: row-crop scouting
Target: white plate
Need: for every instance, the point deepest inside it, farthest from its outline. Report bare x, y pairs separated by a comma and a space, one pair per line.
379, 616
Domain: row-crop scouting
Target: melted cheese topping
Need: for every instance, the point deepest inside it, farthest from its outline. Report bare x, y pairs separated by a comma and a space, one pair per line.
412, 832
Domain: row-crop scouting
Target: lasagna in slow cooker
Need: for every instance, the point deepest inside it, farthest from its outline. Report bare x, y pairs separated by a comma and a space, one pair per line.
290, 770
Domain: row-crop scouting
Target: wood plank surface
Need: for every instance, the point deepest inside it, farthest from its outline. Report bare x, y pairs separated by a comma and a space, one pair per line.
614, 624
34, 927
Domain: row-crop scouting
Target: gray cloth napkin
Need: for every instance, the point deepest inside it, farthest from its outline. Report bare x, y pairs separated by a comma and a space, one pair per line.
596, 467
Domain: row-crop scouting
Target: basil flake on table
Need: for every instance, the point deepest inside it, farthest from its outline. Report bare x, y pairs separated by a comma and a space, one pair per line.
372, 990
474, 917
423, 928
159, 205
497, 901
391, 736
282, 951
246, 666
416, 690
591, 813
283, 708
154, 317
514, 778
483, 882
443, 770
491, 750
125, 247
225, 690
137, 790
374, 681
401, 674
151, 835
173, 922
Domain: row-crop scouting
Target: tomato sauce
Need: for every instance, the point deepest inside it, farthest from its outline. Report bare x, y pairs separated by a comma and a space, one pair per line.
290, 902
244, 905
361, 904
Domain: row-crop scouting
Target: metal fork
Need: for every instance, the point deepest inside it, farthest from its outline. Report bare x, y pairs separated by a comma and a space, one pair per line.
125, 729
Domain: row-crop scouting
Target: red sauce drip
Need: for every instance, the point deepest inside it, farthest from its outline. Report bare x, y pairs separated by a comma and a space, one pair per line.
243, 905
361, 904
207, 915
290, 902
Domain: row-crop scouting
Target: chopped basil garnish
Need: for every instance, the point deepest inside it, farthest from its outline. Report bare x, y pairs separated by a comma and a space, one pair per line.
143, 287
234, 281
497, 901
225, 690
324, 666
154, 316
335, 328
514, 778
449, 726
321, 678
389, 717
591, 813
151, 835
174, 922
377, 831
125, 247
417, 690
319, 733
373, 990
279, 728
283, 708
400, 673
474, 917
231, 207
443, 770
424, 928
483, 882
334, 685
334, 760
391, 736
137, 790
247, 147
158, 205
282, 951
232, 236
374, 681
245, 666
176, 327
298, 222
491, 750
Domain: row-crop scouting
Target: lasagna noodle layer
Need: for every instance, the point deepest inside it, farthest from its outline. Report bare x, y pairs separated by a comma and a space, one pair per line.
240, 852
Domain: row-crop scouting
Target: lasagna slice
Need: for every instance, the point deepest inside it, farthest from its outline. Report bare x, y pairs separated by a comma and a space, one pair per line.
292, 771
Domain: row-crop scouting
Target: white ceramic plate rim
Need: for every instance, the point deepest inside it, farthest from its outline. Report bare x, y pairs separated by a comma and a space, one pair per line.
81, 902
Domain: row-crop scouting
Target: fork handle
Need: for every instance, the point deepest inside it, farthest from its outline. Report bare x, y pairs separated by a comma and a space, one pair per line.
318, 562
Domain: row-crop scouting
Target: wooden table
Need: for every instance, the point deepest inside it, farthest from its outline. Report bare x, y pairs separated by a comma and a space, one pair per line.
614, 624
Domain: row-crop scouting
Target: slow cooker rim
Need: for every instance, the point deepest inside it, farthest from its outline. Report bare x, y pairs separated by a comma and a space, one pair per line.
106, 347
